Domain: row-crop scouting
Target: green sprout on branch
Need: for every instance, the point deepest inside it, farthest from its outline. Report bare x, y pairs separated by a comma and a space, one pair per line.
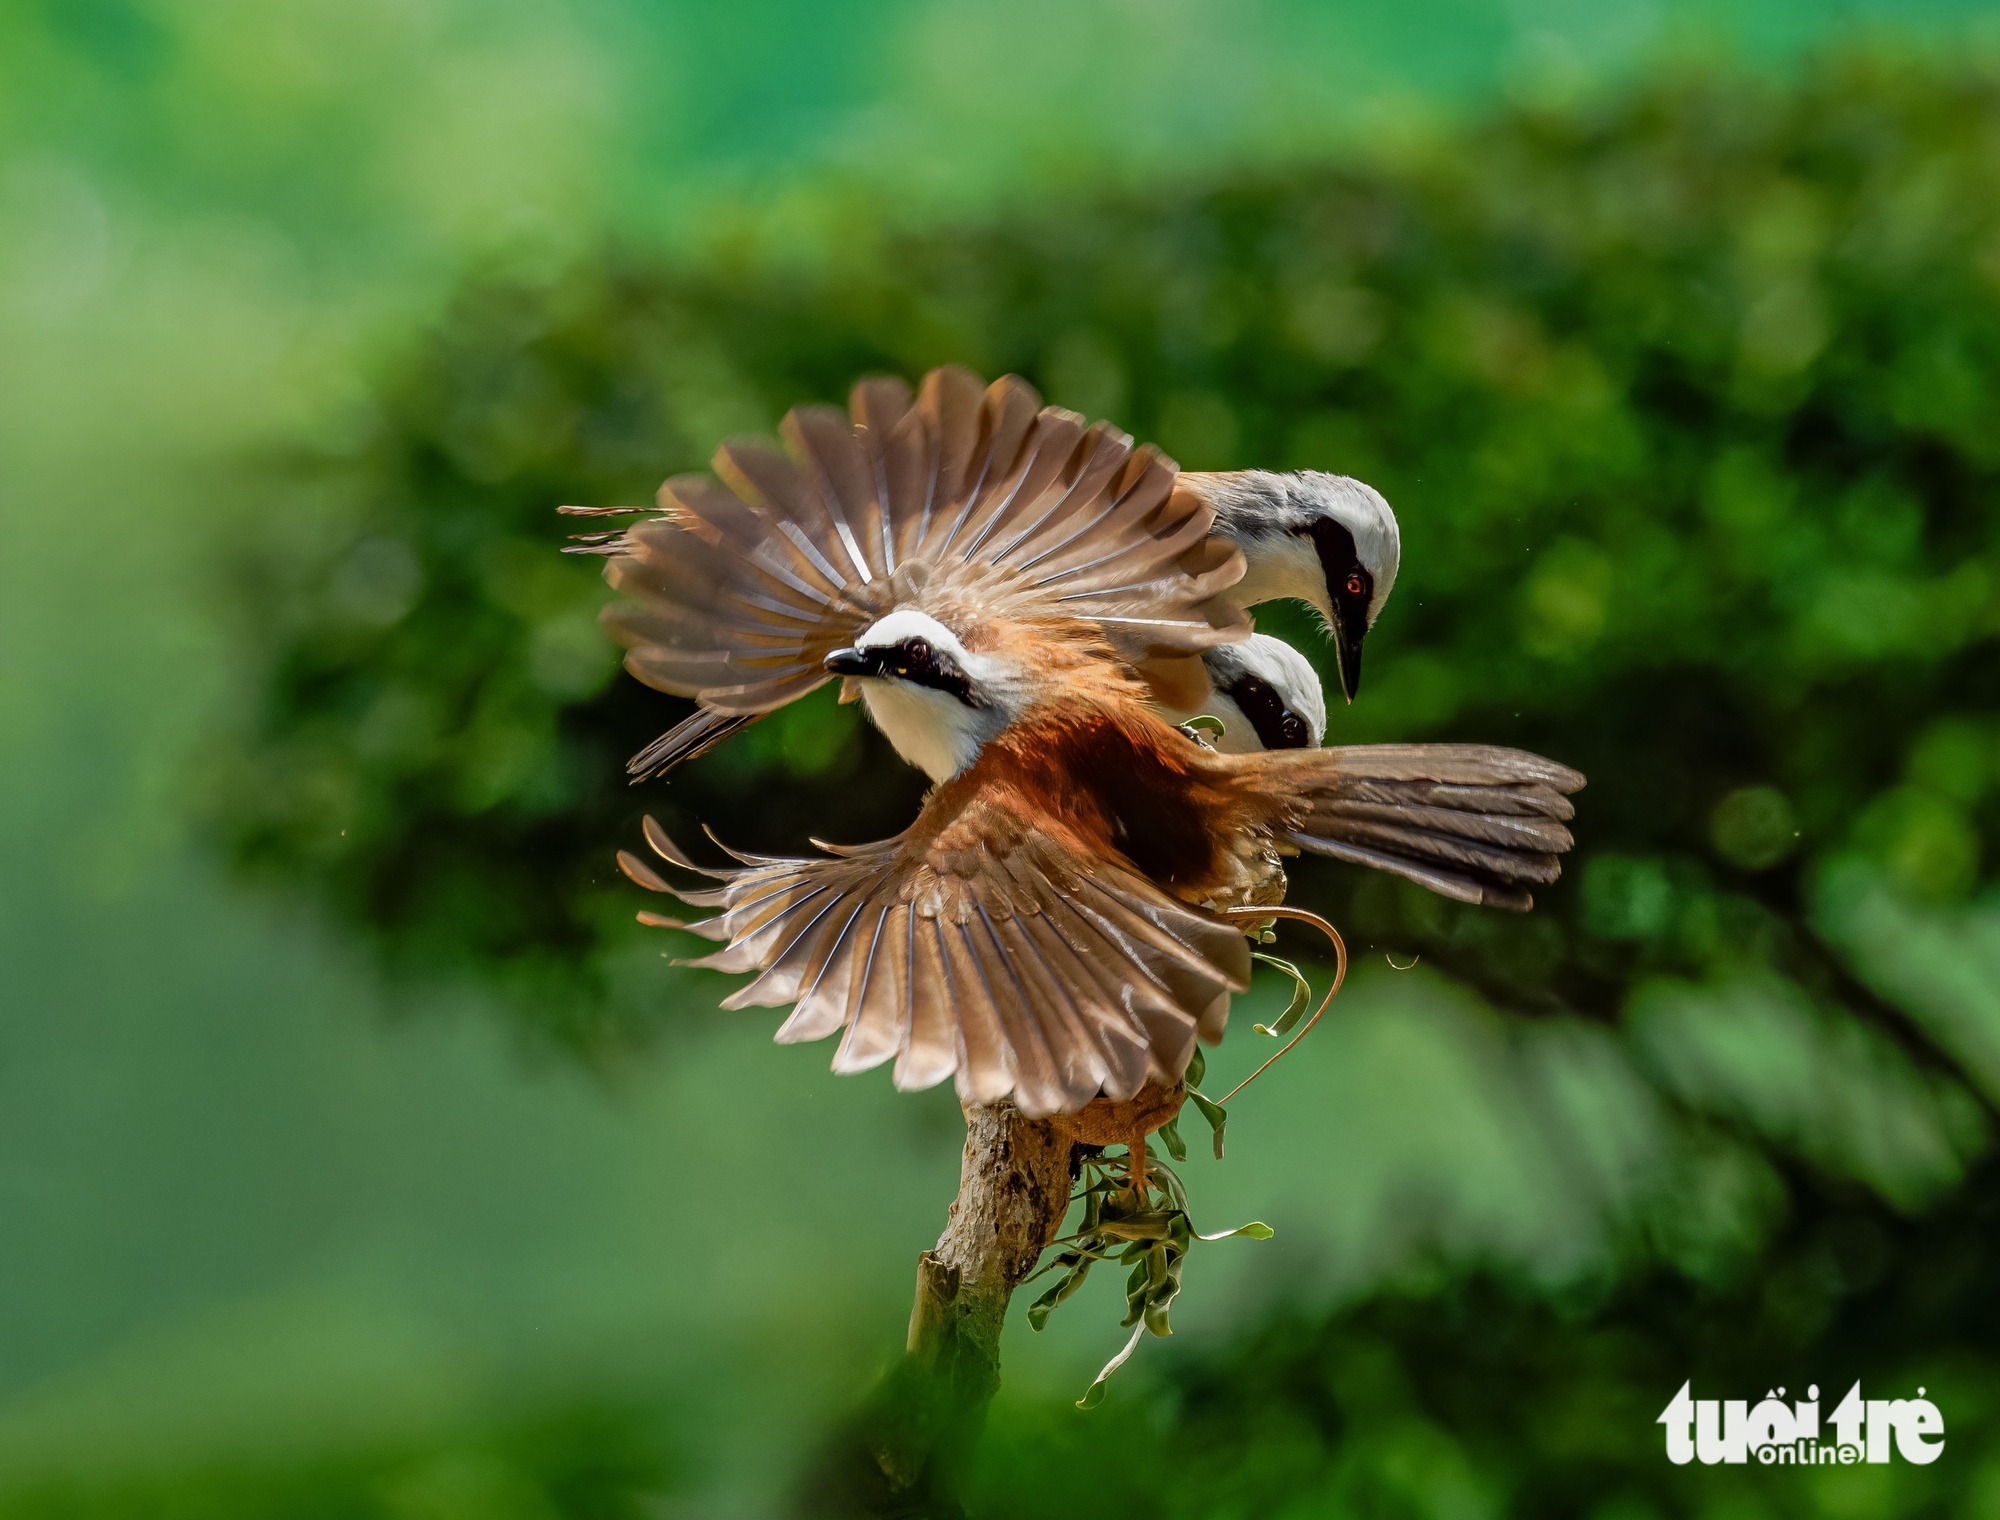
1146, 1228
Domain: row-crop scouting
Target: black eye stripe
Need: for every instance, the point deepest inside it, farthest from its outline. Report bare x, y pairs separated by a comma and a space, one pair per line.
1339, 561
917, 662
1277, 726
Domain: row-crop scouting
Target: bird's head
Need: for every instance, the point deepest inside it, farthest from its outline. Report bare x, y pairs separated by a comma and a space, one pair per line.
1274, 688
938, 702
1327, 540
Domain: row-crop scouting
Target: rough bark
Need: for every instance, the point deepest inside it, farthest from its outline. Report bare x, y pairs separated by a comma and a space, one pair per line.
1013, 1186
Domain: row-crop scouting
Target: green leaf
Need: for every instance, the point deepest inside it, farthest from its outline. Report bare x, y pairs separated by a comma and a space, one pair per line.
1165, 1287
1170, 1137
1136, 1227
1256, 1229
1217, 1117
1197, 1068
1137, 1284
1041, 1308
1200, 727
1094, 1394
1301, 996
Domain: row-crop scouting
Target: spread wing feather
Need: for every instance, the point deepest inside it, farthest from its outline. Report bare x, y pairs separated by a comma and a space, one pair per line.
979, 947
697, 733
1473, 822
968, 502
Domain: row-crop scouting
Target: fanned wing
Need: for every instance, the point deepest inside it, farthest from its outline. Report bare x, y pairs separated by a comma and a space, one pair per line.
990, 950
1471, 821
967, 502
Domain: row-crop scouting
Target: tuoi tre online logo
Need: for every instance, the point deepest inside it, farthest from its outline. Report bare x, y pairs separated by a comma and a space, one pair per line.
1776, 1433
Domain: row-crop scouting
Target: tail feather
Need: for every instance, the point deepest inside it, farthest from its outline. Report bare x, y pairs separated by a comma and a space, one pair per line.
1472, 822
1448, 848
1479, 765
1512, 799
1451, 884
1507, 831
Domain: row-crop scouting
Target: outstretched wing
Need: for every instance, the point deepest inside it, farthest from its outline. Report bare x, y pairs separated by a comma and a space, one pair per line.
1476, 822
990, 949
969, 504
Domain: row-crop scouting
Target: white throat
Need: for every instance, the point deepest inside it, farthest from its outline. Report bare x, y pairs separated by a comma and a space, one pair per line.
1282, 567
933, 730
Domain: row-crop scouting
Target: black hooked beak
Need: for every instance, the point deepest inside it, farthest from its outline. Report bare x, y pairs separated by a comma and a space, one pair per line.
854, 662
1349, 588
1348, 632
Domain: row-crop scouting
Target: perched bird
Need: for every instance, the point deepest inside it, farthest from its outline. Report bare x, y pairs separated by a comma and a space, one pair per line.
1266, 694
992, 579
1326, 540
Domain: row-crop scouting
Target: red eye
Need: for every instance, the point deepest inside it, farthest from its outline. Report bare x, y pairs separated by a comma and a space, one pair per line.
1354, 585
918, 650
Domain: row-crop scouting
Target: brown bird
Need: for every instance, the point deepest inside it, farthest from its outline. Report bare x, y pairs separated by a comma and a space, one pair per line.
989, 579
972, 497
1326, 540
1046, 929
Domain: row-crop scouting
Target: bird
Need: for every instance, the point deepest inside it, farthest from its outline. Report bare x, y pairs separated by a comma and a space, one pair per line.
990, 580
1330, 541
1326, 540
1005, 497
1051, 929
1266, 694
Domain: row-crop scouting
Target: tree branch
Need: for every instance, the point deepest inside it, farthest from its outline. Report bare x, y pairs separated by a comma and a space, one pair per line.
906, 1451
1013, 1188
908, 1447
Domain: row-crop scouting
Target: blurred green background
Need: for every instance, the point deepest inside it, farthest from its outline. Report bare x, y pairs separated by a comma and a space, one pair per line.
357, 1157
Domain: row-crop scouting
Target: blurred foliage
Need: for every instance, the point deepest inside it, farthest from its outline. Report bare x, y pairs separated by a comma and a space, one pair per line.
589, 1462
1477, 1395
1689, 402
